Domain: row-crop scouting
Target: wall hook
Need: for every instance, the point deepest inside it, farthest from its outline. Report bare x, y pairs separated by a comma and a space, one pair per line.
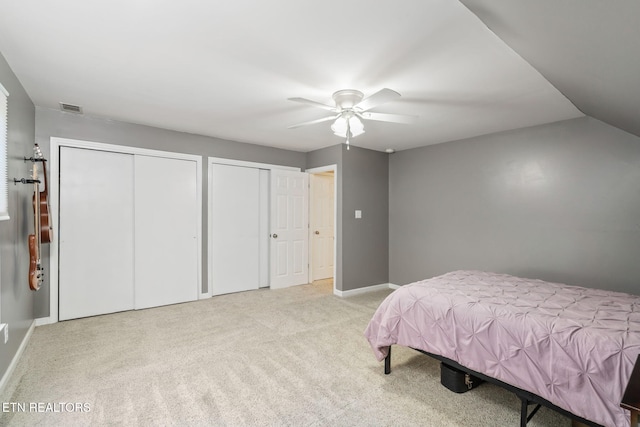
25, 181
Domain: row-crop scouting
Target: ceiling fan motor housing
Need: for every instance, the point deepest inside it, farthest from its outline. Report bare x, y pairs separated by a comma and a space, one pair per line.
347, 98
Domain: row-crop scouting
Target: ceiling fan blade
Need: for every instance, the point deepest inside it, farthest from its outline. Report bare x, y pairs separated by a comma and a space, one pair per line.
384, 117
380, 97
313, 122
313, 103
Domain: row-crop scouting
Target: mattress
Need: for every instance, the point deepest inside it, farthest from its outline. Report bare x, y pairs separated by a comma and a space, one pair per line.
572, 346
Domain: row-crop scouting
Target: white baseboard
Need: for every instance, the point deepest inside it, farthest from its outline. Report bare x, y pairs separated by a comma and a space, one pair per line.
394, 287
364, 290
16, 358
45, 321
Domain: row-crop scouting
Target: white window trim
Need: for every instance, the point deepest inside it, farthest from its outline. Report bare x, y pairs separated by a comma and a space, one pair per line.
4, 153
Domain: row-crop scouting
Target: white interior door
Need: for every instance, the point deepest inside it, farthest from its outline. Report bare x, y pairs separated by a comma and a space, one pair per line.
166, 231
235, 228
322, 227
289, 228
96, 216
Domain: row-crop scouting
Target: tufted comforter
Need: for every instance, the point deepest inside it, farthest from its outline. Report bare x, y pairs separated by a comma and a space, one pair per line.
572, 346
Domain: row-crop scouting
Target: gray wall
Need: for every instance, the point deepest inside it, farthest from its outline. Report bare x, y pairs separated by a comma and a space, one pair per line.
68, 125
558, 202
15, 296
365, 242
363, 183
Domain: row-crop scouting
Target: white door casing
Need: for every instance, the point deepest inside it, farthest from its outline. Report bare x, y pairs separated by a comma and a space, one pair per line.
166, 228
265, 240
322, 225
289, 228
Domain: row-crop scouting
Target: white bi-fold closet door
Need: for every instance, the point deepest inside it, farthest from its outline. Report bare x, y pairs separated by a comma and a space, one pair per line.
238, 228
127, 235
96, 233
258, 227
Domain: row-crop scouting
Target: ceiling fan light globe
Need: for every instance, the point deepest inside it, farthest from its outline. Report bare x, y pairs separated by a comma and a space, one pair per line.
339, 127
356, 126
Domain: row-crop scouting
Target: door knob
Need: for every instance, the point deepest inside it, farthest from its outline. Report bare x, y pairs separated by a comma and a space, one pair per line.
317, 232
275, 236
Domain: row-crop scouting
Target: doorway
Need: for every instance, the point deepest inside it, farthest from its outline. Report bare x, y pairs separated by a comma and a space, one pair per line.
322, 225
258, 226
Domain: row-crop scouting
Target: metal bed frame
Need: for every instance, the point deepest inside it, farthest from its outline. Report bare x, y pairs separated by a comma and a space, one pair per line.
526, 398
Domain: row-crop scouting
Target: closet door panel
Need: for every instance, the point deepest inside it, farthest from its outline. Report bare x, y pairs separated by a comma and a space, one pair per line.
166, 227
235, 229
96, 211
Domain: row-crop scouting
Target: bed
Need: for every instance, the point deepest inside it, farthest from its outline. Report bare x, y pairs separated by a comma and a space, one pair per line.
573, 347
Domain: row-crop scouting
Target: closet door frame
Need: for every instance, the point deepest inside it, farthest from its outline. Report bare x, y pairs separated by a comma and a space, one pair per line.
230, 162
54, 191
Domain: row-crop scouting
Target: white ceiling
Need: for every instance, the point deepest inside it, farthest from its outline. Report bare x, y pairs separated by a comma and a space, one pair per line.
226, 69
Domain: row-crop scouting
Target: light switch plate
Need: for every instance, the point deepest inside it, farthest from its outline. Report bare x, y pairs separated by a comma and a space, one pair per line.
358, 214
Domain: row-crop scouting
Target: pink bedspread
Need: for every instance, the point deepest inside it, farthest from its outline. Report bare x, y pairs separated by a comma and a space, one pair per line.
573, 346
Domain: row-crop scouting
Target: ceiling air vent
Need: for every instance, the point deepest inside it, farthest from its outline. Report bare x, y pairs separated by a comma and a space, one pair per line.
71, 108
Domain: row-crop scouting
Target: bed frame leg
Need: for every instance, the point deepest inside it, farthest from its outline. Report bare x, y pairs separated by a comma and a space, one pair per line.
524, 409
525, 416
387, 363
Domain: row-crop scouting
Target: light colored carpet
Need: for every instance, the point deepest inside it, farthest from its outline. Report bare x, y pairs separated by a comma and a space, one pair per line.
294, 357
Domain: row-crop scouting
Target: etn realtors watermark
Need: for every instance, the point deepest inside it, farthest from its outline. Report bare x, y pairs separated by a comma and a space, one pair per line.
43, 407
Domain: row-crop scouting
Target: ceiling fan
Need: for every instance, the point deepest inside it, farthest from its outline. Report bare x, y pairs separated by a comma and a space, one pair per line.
351, 107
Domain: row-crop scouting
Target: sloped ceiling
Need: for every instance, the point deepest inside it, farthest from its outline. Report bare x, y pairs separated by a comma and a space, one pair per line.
588, 49
226, 69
